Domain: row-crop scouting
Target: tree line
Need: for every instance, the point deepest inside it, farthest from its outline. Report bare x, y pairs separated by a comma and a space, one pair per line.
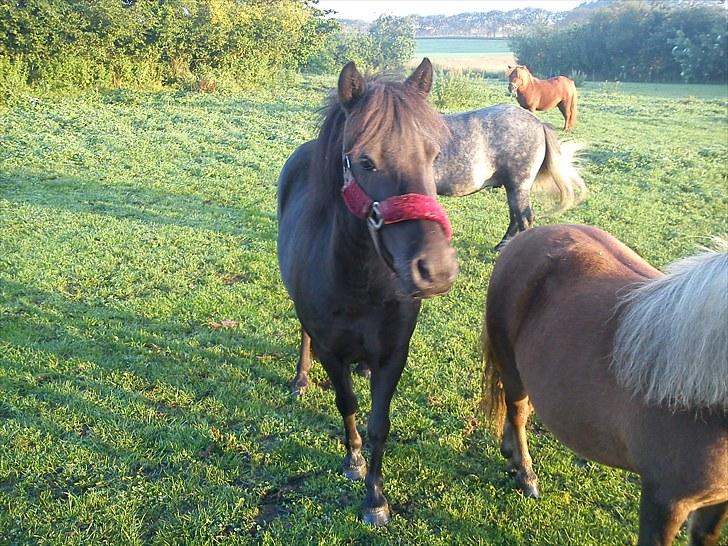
632, 41
84, 43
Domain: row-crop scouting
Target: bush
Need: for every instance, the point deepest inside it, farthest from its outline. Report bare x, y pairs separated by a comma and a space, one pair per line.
84, 43
578, 77
634, 42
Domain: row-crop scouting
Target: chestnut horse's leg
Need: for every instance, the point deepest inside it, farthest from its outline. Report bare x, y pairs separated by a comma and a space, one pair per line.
660, 517
300, 382
384, 381
565, 109
354, 465
519, 209
706, 523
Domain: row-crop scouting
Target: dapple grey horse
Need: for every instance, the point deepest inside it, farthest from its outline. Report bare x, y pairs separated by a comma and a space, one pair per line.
504, 145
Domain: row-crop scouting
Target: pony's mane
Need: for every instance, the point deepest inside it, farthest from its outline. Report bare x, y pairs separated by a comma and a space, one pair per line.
671, 346
389, 111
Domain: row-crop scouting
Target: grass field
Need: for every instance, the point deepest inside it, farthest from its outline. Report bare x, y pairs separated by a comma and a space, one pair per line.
146, 342
465, 53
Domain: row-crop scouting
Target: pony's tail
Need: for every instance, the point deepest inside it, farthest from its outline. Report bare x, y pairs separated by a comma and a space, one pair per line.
492, 397
574, 108
559, 171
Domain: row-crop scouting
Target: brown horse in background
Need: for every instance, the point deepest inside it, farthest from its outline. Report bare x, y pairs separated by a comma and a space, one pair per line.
534, 94
625, 365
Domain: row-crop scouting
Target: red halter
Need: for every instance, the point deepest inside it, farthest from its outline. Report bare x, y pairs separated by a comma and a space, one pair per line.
399, 208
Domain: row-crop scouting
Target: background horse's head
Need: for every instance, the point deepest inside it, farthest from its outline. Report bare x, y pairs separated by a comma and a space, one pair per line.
518, 77
391, 137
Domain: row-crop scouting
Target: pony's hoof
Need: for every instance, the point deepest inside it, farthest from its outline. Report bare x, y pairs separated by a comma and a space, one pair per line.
376, 517
355, 468
529, 490
363, 370
500, 246
299, 387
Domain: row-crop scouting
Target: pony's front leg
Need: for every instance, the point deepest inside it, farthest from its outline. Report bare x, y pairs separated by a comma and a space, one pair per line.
660, 516
384, 381
300, 382
354, 464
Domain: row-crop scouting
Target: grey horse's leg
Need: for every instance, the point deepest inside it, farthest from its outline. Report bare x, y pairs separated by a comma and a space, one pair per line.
519, 210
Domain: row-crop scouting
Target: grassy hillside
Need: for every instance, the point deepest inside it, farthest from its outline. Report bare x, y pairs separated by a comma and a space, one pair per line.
146, 342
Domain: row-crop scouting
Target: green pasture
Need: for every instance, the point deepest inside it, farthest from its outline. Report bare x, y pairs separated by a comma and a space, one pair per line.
146, 341
453, 47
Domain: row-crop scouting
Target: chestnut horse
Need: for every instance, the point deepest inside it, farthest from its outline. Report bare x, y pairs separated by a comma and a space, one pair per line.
534, 94
361, 241
625, 365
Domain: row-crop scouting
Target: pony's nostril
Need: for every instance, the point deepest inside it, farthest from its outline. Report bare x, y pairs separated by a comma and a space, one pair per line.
423, 270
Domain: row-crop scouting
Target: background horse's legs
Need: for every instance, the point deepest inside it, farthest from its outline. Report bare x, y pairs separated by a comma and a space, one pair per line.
660, 518
354, 465
566, 112
384, 381
706, 523
519, 209
300, 382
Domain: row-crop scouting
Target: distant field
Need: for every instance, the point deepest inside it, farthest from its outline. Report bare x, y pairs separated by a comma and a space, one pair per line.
671, 90
466, 53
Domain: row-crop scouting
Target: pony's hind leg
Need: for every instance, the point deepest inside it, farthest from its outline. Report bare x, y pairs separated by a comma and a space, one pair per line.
520, 211
520, 461
706, 523
354, 464
566, 112
300, 381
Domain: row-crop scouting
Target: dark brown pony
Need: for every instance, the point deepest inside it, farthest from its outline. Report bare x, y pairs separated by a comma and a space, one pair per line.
624, 365
357, 274
534, 94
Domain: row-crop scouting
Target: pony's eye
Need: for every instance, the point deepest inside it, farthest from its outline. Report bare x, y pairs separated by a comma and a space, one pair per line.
367, 164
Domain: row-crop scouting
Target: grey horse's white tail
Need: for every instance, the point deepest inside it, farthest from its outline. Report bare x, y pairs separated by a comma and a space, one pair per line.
671, 346
559, 171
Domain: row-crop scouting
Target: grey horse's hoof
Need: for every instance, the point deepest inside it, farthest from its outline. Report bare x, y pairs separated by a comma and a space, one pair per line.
376, 517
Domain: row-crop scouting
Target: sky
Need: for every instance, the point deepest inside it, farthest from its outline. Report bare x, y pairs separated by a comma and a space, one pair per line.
369, 10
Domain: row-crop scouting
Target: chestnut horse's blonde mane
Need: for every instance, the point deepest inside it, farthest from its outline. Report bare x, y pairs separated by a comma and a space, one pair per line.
671, 346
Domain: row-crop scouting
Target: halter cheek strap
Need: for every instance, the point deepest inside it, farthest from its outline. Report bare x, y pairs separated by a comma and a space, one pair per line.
399, 208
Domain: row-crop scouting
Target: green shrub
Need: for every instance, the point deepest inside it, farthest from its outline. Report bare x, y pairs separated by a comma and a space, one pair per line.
84, 43
578, 77
13, 81
632, 41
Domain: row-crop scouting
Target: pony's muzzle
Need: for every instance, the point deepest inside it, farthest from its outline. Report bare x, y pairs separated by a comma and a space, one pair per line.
433, 273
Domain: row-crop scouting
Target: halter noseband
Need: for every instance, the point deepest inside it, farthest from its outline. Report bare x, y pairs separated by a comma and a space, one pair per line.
398, 208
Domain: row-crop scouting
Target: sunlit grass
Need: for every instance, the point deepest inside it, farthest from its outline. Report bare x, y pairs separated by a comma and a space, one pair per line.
132, 224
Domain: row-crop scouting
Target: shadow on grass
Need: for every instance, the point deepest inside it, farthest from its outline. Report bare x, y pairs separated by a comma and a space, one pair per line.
127, 361
133, 202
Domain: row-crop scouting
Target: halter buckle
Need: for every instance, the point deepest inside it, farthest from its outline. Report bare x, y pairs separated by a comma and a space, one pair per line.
375, 216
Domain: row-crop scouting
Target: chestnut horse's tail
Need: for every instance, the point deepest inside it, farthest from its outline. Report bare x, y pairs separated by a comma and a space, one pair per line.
574, 103
492, 396
559, 171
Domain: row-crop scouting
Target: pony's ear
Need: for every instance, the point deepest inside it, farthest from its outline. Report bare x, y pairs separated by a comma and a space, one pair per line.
421, 78
351, 85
